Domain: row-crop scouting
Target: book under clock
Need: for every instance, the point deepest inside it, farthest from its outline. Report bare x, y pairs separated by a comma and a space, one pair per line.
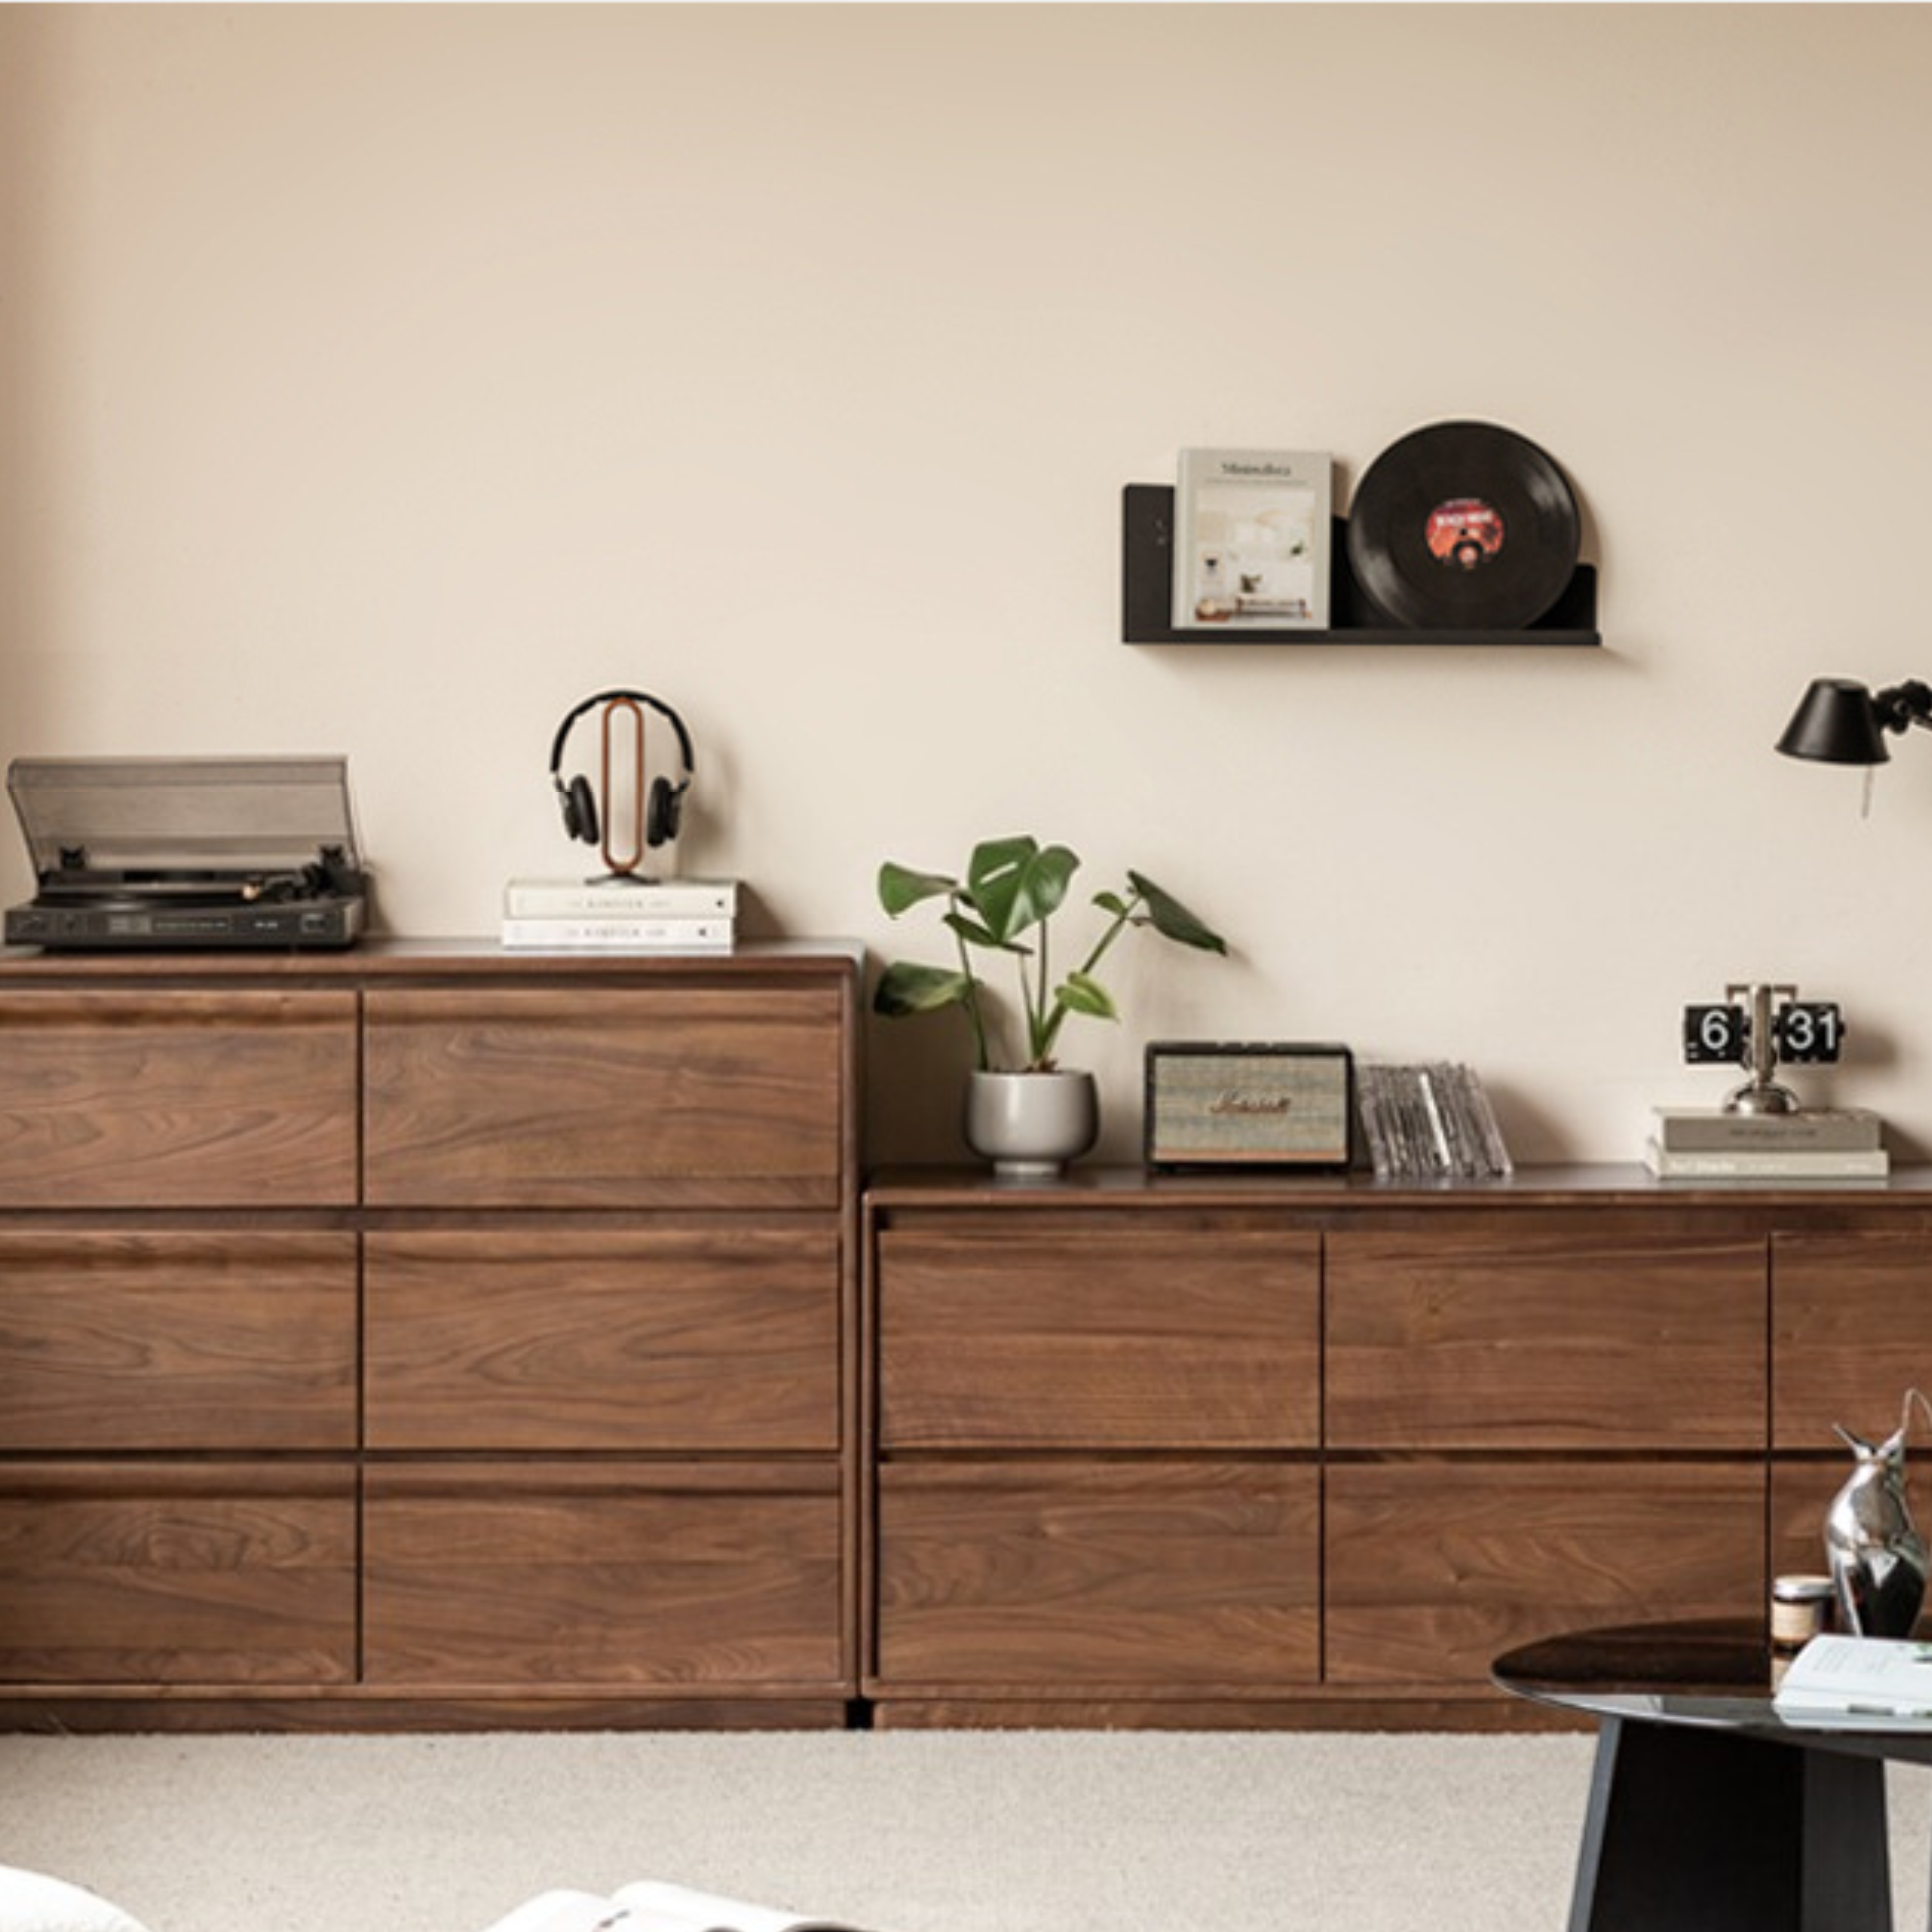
1768, 1164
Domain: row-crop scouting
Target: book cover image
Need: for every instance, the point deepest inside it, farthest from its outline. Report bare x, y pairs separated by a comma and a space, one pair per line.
1252, 539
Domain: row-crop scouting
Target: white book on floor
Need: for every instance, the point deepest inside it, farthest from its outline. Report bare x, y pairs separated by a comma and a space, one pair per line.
651, 1905
1858, 1677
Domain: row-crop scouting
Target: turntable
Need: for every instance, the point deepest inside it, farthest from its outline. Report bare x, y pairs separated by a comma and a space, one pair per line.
213, 853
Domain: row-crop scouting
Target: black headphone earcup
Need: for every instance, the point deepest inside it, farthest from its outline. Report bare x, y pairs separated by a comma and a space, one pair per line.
661, 821
580, 811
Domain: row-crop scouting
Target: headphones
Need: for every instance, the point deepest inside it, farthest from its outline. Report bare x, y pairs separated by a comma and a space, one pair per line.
665, 808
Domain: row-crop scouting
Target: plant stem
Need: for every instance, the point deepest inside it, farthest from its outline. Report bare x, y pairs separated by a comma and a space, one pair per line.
1051, 1031
973, 1013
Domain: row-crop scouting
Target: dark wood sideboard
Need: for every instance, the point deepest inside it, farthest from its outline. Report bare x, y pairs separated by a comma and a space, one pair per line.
428, 1335
1247, 1451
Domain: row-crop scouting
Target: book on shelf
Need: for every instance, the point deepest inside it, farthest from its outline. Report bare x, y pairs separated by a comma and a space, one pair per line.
1858, 1677
1429, 1123
620, 896
652, 1905
619, 935
1768, 1164
1812, 1129
1252, 536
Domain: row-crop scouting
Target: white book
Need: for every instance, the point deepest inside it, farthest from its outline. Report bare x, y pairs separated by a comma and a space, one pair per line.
651, 1906
1252, 536
1858, 1677
619, 935
620, 897
1754, 1164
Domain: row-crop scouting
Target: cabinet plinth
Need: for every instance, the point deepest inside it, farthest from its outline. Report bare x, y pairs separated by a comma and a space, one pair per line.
427, 1335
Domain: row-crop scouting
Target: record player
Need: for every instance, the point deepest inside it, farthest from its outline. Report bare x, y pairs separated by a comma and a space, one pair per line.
212, 853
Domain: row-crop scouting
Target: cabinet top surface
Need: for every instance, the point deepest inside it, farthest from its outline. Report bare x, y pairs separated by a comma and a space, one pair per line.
1589, 1183
391, 958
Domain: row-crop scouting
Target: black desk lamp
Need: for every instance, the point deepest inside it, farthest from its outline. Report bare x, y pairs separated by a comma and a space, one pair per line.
1842, 722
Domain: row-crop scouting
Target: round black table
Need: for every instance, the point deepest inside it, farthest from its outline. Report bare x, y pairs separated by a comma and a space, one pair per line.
1708, 1810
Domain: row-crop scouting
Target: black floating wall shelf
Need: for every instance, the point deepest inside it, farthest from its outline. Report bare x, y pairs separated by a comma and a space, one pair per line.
1146, 596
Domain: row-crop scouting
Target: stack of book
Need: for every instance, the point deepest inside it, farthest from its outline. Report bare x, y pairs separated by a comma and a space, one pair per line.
620, 915
1815, 1144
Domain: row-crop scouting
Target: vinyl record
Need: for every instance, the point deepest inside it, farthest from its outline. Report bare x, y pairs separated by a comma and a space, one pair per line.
1463, 526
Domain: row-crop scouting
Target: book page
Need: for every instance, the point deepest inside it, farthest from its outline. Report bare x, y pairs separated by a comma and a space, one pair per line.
658, 1907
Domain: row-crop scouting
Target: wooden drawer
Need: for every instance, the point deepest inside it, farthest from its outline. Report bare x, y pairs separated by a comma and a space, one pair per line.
1531, 1339
156, 1340
1851, 1332
1048, 1336
126, 1573
177, 1099
724, 1336
639, 1097
684, 1577
1068, 1573
1433, 1570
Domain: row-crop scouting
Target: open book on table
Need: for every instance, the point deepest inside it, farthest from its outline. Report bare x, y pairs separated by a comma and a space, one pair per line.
1868, 1677
652, 1905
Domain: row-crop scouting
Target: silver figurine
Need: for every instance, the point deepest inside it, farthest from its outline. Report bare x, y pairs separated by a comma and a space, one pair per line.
1878, 1559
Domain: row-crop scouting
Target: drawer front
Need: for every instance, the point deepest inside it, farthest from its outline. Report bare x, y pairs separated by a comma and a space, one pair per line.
1852, 1331
177, 1099
633, 1099
1433, 1570
1525, 1340
718, 1338
1037, 1576
1056, 1337
682, 1577
156, 1574
160, 1340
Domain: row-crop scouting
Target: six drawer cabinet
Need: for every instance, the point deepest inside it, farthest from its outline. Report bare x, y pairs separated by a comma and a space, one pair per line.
428, 1335
1235, 1451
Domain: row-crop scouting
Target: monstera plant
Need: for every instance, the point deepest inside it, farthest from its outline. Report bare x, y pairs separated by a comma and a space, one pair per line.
1005, 906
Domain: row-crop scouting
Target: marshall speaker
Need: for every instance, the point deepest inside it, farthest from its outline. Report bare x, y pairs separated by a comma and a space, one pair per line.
1249, 1106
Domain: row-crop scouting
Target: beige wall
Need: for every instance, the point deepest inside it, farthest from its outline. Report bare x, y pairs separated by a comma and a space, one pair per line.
383, 380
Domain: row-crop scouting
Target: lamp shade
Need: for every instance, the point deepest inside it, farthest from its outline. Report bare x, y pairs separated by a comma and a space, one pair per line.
1838, 721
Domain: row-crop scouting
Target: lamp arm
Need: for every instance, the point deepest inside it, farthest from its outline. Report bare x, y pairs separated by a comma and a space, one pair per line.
1900, 705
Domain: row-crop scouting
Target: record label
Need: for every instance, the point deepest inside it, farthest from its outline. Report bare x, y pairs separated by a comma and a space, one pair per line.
1463, 526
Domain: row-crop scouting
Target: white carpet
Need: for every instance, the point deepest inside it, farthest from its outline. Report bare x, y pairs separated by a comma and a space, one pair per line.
1024, 1831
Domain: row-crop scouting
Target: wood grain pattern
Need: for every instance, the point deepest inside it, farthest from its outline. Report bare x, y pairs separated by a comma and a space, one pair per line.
637, 1098
1033, 1336
1852, 1331
1511, 1337
1070, 1573
154, 1573
519, 1575
723, 1337
177, 1099
1801, 1492
159, 1339
1434, 1570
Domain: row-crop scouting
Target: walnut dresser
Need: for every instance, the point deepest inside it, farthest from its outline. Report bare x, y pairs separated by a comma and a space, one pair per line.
427, 1334
1252, 1451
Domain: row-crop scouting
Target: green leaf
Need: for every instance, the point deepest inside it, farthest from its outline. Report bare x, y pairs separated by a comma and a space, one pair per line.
1172, 919
904, 988
1081, 993
901, 888
1111, 903
1014, 884
974, 933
